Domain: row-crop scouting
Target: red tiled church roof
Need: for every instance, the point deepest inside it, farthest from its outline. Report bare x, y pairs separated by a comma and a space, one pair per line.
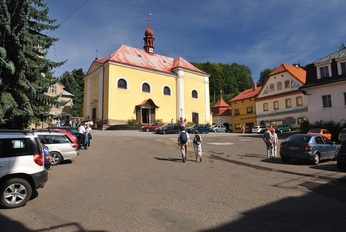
297, 72
248, 93
139, 58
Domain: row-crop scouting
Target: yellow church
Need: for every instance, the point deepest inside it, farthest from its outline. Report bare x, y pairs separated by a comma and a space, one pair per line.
138, 84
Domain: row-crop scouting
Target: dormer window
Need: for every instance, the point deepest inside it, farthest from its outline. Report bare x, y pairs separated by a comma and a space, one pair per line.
324, 72
343, 68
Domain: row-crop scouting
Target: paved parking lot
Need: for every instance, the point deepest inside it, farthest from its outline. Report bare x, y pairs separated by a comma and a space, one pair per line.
135, 181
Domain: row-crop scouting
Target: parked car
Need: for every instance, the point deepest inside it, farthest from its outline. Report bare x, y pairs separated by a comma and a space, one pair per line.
172, 128
72, 130
60, 146
312, 147
259, 129
341, 156
320, 131
21, 167
152, 126
342, 135
201, 128
71, 136
248, 129
283, 128
218, 128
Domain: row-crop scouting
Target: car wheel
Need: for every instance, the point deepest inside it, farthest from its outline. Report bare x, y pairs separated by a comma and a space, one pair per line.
281, 131
15, 193
289, 129
285, 159
55, 158
341, 166
147, 130
316, 159
163, 132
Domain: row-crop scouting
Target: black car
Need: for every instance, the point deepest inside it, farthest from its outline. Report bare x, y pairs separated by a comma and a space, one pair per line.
341, 156
171, 128
201, 128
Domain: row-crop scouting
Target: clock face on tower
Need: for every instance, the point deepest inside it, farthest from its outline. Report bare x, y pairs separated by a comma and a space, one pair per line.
151, 50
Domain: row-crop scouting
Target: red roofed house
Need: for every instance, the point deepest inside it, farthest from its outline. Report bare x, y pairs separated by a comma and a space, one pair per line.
280, 101
222, 113
244, 109
138, 84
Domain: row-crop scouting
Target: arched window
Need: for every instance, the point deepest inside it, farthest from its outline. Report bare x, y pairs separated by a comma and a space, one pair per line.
122, 84
146, 88
166, 91
194, 94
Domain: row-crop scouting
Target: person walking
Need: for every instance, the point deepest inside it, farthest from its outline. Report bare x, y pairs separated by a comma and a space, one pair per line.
267, 138
197, 146
275, 141
81, 136
88, 134
183, 142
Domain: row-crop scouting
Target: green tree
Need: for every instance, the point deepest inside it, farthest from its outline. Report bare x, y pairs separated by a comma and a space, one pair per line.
25, 74
231, 79
74, 83
263, 76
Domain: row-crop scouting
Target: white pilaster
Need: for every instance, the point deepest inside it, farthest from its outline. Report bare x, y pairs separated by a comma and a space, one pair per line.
207, 99
180, 94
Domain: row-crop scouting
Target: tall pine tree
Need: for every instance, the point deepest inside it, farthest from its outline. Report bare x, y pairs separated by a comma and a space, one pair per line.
25, 74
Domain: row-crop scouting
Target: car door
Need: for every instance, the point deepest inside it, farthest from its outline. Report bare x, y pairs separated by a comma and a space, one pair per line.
322, 147
330, 148
4, 160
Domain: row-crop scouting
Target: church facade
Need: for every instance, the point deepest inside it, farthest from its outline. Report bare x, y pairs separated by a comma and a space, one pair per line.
140, 85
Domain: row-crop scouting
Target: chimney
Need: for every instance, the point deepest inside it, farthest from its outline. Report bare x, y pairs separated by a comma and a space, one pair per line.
254, 86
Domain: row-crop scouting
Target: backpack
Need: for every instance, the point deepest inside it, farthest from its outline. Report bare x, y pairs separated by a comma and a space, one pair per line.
197, 139
183, 137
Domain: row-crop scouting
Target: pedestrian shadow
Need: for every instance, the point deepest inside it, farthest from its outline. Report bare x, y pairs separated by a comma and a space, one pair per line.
168, 159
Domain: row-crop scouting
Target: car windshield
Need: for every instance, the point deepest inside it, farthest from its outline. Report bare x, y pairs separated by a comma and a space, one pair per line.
299, 138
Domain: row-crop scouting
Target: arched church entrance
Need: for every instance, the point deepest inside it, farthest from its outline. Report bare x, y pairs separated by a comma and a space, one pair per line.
146, 112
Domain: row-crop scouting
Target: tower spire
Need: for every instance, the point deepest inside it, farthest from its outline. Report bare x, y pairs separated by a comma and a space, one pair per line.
149, 39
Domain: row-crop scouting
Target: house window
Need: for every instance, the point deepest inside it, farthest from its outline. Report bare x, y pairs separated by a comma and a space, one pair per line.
299, 101
288, 103
343, 68
122, 84
52, 89
236, 112
324, 72
279, 86
271, 87
287, 84
249, 110
146, 88
276, 105
166, 91
265, 106
327, 101
194, 94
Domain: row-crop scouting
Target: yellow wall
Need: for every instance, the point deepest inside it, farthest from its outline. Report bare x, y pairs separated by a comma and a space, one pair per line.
243, 118
120, 104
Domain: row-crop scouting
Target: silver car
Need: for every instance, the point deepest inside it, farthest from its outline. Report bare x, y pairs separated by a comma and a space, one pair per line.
60, 146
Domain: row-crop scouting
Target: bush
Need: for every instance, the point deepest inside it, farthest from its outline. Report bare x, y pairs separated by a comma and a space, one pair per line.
132, 121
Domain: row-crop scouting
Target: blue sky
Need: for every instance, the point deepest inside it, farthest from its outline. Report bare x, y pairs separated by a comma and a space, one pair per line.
259, 34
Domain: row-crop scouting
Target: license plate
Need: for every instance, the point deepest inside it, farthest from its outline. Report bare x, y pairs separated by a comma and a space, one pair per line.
293, 148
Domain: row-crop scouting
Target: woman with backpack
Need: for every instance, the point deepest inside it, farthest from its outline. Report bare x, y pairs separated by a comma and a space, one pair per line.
197, 146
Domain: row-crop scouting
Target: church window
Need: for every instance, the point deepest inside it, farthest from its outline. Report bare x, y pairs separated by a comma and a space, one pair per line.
194, 94
167, 91
146, 88
122, 84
